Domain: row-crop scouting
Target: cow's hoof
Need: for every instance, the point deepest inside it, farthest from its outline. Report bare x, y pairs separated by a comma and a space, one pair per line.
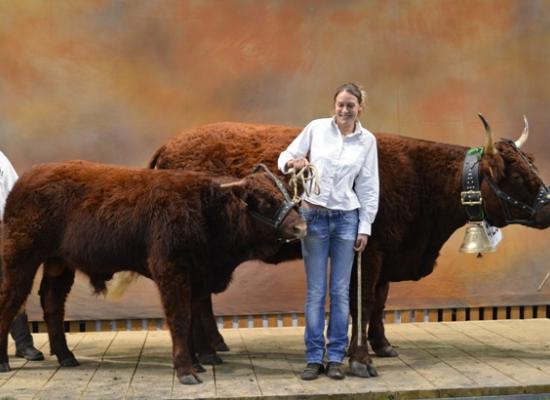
5, 367
210, 359
199, 368
386, 351
69, 362
221, 346
189, 379
362, 370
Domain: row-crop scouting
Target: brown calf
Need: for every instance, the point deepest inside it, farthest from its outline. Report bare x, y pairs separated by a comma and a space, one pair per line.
180, 229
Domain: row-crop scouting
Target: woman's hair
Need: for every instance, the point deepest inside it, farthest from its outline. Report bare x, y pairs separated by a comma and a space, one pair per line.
354, 89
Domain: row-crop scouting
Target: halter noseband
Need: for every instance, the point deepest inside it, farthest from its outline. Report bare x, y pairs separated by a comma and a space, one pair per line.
285, 208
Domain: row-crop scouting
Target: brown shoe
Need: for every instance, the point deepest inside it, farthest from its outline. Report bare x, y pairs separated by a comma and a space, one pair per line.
312, 371
335, 370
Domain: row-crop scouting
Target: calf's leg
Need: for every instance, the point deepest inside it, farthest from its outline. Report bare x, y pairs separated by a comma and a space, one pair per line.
205, 331
16, 286
175, 292
56, 284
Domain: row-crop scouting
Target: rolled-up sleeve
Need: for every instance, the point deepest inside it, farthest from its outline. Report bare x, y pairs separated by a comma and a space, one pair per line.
367, 188
299, 148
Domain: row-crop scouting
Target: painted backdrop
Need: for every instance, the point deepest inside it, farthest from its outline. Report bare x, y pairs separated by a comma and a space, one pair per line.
110, 81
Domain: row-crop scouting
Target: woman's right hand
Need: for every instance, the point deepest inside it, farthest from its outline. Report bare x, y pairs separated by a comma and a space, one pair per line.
297, 163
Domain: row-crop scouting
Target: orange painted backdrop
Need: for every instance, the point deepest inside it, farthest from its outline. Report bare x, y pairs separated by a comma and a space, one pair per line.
112, 80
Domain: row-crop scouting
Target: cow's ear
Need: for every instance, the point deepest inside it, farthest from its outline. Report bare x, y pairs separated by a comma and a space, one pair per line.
236, 187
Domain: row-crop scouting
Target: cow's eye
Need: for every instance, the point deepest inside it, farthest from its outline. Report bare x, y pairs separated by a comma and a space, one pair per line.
516, 177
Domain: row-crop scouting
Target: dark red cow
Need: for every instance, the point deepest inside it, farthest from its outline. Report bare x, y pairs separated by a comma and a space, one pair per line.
179, 228
420, 207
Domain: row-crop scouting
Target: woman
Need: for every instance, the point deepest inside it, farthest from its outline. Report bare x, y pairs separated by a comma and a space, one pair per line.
339, 220
24, 346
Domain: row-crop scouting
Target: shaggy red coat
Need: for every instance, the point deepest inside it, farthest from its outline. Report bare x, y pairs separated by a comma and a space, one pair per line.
179, 228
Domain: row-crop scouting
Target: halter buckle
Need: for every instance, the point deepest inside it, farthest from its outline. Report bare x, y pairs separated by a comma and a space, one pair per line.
471, 198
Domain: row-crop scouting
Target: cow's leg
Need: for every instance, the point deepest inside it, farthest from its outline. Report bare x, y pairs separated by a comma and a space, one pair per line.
204, 331
16, 285
360, 361
377, 336
56, 284
195, 336
175, 292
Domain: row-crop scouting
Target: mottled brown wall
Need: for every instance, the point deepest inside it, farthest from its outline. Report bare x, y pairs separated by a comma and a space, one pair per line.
112, 80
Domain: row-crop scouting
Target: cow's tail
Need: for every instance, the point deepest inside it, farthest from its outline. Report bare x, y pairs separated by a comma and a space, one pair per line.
117, 286
155, 158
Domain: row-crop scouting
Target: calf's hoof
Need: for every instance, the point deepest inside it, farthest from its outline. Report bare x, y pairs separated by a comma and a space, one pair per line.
362, 370
386, 351
221, 346
199, 368
189, 379
210, 359
69, 362
5, 367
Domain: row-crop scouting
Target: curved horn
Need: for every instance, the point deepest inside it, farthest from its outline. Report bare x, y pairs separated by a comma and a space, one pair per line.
524, 135
489, 146
233, 184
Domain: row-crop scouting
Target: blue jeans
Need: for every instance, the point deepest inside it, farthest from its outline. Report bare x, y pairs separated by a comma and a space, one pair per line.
330, 233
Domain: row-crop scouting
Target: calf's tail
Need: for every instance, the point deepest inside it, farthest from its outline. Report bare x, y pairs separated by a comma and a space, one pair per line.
117, 286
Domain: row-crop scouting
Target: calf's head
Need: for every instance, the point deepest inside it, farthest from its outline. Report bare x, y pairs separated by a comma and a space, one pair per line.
513, 192
269, 205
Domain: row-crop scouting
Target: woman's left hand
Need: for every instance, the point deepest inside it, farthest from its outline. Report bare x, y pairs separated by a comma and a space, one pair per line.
361, 242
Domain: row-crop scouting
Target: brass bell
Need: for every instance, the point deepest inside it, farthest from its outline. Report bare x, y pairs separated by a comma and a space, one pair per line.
476, 240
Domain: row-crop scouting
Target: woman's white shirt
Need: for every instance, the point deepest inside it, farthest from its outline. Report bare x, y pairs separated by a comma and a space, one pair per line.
8, 176
347, 168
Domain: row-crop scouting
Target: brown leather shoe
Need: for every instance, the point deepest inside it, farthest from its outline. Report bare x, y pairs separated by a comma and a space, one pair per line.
335, 370
312, 371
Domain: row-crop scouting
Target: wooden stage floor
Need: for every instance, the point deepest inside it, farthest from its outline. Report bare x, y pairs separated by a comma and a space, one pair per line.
441, 359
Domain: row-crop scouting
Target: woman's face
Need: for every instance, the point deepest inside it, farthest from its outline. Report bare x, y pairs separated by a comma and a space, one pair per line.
346, 108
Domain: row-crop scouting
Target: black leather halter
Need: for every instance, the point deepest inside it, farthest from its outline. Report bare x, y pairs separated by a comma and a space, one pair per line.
543, 195
285, 208
472, 200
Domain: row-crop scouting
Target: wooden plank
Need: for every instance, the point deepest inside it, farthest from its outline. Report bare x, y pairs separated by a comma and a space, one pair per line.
154, 374
541, 311
16, 363
433, 315
447, 314
32, 376
236, 368
474, 314
514, 312
267, 355
71, 382
497, 352
528, 312
501, 313
112, 378
463, 353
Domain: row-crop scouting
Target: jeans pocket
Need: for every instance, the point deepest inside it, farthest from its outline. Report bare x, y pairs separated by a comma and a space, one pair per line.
308, 215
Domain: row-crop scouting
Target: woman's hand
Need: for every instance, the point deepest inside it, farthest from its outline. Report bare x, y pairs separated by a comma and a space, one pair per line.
297, 164
361, 242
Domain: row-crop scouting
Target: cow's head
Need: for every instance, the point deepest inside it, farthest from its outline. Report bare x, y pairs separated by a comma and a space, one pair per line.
512, 190
269, 205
